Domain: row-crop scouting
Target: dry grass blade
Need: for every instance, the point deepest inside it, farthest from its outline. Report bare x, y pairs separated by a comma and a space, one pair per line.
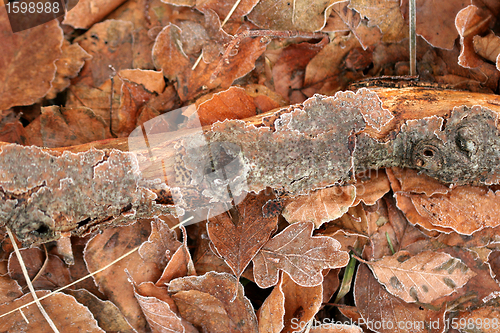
28, 281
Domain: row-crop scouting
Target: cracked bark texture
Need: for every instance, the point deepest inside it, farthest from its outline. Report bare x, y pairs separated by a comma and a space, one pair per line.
451, 136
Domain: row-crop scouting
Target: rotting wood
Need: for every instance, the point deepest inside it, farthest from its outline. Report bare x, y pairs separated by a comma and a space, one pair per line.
449, 135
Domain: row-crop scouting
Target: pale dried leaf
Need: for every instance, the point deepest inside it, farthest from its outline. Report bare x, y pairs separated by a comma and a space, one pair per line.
422, 278
300, 254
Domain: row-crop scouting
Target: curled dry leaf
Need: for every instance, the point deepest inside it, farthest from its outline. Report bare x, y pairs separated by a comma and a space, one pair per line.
11, 129
271, 313
10, 289
386, 14
488, 47
172, 55
152, 81
161, 244
469, 22
106, 313
371, 185
67, 314
160, 310
301, 303
108, 246
88, 12
68, 66
298, 253
27, 64
239, 238
422, 278
222, 8
320, 206
299, 15
376, 306
214, 302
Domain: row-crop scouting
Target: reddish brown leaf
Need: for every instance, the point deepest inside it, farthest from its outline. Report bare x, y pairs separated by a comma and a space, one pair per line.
469, 22
222, 8
386, 14
170, 53
27, 64
371, 186
67, 314
110, 44
386, 313
108, 316
68, 66
438, 30
488, 47
61, 127
320, 206
11, 129
54, 275
152, 81
161, 244
301, 303
233, 103
88, 12
288, 71
422, 278
108, 246
160, 310
301, 15
298, 253
213, 303
238, 240
485, 319
10, 289
271, 313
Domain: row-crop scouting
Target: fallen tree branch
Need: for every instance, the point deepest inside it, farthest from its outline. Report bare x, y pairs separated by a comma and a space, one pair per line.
449, 135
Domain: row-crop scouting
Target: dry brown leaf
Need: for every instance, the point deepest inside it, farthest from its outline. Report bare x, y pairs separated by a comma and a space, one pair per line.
422, 278
179, 265
469, 22
288, 71
411, 181
371, 186
438, 30
108, 246
10, 289
54, 275
342, 18
152, 81
238, 240
386, 313
108, 316
88, 12
298, 253
11, 129
27, 64
488, 47
320, 206
110, 44
171, 53
494, 262
272, 311
233, 103
67, 314
213, 303
386, 14
161, 244
301, 303
222, 8
485, 319
68, 66
160, 310
62, 127
301, 15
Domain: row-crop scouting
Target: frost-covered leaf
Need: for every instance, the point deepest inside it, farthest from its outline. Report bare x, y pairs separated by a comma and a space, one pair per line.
422, 278
300, 254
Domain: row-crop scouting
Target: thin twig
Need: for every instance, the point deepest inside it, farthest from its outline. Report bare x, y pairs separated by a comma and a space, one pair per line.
36, 300
413, 38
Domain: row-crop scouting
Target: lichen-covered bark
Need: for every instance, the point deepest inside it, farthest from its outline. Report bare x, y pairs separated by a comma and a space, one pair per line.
323, 142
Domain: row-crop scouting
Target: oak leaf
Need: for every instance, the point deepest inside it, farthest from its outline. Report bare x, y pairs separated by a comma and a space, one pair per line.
298, 253
239, 241
422, 278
